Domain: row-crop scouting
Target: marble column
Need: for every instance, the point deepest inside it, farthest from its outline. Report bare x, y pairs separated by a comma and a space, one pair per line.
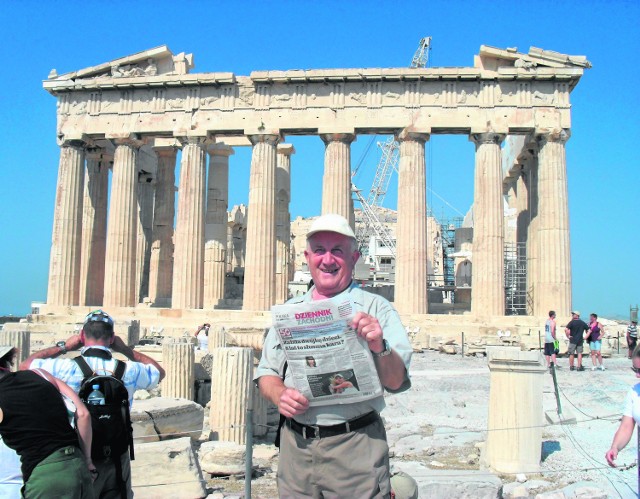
487, 281
64, 265
231, 392
20, 340
532, 236
514, 436
215, 248
161, 260
145, 225
411, 229
336, 182
283, 222
120, 259
94, 228
260, 260
188, 268
178, 359
554, 256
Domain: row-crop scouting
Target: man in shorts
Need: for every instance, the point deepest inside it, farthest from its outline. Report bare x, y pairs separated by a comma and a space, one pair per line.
550, 340
632, 336
575, 330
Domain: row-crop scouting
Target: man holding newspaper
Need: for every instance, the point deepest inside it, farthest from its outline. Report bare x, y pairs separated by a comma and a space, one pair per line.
333, 442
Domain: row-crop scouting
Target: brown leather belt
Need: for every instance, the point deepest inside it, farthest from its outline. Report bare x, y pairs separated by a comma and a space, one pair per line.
318, 431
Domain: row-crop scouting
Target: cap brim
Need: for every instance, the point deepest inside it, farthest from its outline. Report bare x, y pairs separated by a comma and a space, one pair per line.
5, 349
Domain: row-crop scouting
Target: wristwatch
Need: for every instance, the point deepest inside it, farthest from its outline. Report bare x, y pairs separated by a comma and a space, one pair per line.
386, 351
62, 346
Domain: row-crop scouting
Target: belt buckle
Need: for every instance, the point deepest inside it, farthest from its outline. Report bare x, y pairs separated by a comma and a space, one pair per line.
316, 431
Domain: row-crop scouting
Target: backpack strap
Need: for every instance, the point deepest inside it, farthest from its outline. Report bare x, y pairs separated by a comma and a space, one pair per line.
84, 366
119, 370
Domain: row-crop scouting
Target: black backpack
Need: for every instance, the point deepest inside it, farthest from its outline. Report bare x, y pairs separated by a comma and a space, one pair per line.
110, 423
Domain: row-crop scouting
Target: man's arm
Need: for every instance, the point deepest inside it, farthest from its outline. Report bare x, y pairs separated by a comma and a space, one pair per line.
72, 343
567, 331
290, 401
119, 346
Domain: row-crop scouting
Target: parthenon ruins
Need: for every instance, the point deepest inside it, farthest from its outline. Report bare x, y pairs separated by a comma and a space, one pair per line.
119, 249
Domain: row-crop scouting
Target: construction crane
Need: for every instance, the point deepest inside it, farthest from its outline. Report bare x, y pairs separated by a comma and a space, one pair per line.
388, 163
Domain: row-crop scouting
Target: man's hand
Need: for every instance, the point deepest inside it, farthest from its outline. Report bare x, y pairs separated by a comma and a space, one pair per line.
74, 342
292, 402
611, 456
119, 345
369, 329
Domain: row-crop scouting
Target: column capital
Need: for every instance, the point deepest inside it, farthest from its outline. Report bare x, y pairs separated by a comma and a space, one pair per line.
126, 139
78, 143
194, 140
220, 149
487, 138
560, 135
286, 149
345, 138
410, 134
267, 138
93, 153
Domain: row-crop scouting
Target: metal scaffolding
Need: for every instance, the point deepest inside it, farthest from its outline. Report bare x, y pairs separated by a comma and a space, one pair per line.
515, 278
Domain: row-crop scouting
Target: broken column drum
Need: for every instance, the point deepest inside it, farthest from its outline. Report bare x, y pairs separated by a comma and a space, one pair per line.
178, 360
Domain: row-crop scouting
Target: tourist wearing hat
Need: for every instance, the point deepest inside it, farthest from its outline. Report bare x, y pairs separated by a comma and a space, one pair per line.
349, 439
55, 460
632, 336
575, 331
96, 342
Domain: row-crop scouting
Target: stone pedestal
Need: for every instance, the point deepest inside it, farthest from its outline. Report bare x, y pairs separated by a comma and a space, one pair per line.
260, 262
161, 264
94, 228
64, 265
19, 339
554, 256
231, 391
411, 230
336, 182
487, 279
514, 436
120, 260
284, 268
178, 360
188, 267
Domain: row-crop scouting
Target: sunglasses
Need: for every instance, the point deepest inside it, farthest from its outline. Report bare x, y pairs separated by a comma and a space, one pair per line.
636, 369
99, 316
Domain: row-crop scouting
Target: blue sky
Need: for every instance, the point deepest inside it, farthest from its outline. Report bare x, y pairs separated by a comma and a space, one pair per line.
242, 36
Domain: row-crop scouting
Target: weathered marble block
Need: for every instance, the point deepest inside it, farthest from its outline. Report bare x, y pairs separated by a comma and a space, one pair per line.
168, 417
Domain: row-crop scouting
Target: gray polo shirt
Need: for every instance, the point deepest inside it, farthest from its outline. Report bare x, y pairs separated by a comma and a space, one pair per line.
273, 358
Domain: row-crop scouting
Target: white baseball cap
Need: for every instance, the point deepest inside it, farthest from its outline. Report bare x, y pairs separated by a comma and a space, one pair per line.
331, 223
575, 312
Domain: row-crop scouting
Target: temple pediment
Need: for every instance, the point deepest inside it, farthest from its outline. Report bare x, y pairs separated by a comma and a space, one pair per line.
492, 58
153, 62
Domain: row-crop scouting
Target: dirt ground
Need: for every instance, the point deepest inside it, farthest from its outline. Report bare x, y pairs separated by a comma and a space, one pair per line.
438, 422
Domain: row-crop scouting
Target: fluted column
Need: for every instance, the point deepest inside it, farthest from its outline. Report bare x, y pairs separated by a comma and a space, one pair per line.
260, 260
532, 238
411, 229
283, 222
161, 260
488, 222
21, 340
336, 182
554, 256
231, 391
64, 265
215, 249
120, 260
188, 268
178, 359
94, 228
145, 225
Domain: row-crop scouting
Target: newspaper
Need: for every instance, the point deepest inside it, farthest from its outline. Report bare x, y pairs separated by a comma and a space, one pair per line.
329, 362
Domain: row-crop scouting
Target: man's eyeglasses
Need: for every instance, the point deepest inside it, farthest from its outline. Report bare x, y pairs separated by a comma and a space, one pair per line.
636, 369
99, 316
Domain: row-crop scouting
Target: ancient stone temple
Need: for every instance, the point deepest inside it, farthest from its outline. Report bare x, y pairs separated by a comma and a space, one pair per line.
132, 116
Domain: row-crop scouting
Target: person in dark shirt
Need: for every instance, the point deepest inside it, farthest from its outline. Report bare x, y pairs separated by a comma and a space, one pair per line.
575, 330
34, 422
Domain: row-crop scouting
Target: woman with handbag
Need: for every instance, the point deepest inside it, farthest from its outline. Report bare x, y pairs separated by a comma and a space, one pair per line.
596, 331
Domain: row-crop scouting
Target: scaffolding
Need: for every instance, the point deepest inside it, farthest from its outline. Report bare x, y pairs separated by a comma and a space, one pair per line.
448, 231
515, 278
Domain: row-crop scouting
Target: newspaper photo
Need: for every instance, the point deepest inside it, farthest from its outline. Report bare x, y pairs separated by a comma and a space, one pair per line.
329, 362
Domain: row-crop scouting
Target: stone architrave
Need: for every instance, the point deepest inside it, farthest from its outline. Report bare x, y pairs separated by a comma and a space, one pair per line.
144, 233
554, 255
188, 267
120, 259
161, 260
20, 339
231, 391
487, 279
514, 436
260, 260
64, 265
215, 249
336, 182
283, 222
411, 229
178, 359
94, 228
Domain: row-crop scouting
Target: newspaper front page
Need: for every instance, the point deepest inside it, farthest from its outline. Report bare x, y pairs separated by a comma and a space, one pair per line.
329, 363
